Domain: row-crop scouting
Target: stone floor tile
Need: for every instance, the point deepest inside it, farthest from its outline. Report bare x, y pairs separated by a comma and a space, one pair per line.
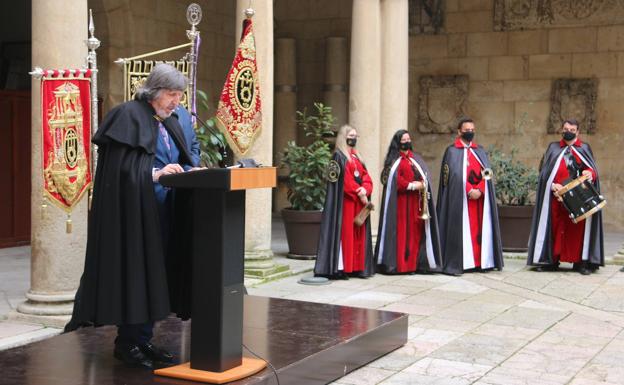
447, 324
582, 325
567, 289
434, 367
495, 330
532, 280
530, 318
479, 349
601, 374
462, 286
510, 376
437, 336
366, 376
404, 356
404, 378
8, 329
392, 288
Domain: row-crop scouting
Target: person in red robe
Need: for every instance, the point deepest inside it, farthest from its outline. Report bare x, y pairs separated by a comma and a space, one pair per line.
564, 161
467, 211
344, 247
407, 236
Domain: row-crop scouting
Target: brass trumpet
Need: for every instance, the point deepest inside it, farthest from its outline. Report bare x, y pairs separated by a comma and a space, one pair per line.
487, 173
424, 200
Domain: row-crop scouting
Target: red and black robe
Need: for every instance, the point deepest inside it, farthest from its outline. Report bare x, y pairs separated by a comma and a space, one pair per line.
554, 237
406, 243
343, 246
469, 230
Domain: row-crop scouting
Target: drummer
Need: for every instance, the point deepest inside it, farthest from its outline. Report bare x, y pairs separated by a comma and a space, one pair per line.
555, 237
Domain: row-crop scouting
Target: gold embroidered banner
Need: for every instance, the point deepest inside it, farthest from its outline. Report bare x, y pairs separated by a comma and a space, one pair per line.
239, 113
136, 71
66, 139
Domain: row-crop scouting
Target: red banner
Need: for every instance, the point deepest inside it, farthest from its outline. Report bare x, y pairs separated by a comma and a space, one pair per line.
66, 139
239, 113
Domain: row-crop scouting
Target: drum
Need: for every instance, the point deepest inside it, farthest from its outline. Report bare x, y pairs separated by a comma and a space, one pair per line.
580, 198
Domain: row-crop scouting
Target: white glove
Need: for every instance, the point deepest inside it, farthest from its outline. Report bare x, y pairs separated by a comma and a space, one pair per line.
411, 186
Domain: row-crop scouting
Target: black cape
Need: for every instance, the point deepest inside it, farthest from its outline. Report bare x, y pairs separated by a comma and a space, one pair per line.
386, 257
125, 278
331, 224
451, 193
542, 225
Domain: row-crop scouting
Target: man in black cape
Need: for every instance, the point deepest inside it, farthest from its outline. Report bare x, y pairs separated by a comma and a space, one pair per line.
328, 254
461, 235
429, 258
580, 243
125, 279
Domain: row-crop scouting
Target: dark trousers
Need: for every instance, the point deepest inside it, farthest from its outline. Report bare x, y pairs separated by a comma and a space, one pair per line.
134, 334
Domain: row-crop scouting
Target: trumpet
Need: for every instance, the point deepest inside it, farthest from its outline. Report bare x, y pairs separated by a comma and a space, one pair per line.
487, 173
424, 200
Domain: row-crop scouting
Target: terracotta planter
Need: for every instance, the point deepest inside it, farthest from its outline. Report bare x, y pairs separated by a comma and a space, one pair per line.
515, 226
302, 232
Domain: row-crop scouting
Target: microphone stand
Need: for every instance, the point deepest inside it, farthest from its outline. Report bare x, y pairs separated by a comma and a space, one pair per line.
222, 147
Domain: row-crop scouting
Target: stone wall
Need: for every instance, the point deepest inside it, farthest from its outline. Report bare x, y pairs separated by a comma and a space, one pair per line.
511, 75
311, 23
132, 27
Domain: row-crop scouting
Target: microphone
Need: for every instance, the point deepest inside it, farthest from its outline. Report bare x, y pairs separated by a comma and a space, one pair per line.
222, 145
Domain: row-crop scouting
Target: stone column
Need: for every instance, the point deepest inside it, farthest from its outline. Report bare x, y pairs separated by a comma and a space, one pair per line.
258, 254
285, 109
335, 89
364, 88
59, 29
394, 69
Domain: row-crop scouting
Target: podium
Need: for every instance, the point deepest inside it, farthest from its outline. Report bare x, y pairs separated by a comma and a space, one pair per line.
216, 242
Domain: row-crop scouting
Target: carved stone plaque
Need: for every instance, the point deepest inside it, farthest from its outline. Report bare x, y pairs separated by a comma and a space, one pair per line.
526, 14
426, 16
576, 99
441, 102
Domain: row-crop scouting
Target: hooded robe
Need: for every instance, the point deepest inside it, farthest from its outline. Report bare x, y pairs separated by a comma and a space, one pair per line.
541, 241
456, 240
125, 278
427, 254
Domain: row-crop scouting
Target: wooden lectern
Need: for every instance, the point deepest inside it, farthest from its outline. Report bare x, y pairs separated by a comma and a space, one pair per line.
217, 245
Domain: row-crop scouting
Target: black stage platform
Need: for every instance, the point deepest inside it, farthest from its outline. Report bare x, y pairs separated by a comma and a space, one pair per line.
308, 343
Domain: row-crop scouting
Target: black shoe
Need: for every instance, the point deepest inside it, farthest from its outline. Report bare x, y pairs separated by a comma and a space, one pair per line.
133, 356
622, 269
584, 271
554, 267
155, 353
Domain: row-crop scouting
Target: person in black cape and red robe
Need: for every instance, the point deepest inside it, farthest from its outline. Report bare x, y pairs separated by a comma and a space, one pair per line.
345, 248
126, 281
406, 242
554, 237
467, 212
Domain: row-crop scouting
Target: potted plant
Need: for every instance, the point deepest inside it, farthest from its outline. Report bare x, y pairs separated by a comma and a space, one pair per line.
306, 181
209, 137
515, 194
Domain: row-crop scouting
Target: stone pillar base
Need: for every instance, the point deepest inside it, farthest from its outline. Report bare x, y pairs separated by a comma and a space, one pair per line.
259, 264
52, 310
618, 258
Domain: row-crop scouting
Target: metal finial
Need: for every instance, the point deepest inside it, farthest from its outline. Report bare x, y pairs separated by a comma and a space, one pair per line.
249, 12
91, 25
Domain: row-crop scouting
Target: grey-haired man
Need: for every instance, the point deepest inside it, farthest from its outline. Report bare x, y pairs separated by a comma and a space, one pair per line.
125, 280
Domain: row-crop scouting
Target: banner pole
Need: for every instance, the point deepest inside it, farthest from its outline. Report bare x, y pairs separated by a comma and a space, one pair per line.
92, 44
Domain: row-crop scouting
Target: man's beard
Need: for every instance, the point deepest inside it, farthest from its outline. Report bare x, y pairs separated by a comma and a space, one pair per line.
163, 114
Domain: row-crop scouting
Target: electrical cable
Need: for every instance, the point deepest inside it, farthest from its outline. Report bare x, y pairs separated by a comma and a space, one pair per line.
268, 363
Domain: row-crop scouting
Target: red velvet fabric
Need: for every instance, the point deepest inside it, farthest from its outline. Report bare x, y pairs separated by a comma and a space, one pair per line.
409, 223
353, 238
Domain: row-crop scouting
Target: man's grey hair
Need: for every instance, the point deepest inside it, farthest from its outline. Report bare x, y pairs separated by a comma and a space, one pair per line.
163, 77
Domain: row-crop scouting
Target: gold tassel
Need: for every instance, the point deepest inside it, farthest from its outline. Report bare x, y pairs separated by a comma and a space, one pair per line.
90, 198
68, 224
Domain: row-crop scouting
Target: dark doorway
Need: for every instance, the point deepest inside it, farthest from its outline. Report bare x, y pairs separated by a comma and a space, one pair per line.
15, 122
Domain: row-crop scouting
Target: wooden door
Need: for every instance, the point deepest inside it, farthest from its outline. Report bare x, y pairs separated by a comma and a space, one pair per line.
15, 172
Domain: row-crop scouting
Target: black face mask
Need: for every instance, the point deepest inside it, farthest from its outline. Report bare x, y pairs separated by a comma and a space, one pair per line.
468, 136
405, 146
351, 142
568, 136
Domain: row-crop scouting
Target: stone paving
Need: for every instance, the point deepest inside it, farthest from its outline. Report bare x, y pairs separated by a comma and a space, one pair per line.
511, 327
